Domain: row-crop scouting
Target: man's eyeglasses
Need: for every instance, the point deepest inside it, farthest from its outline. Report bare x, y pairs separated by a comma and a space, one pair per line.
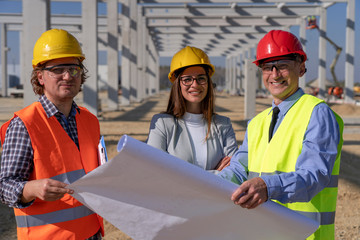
58, 71
281, 65
188, 80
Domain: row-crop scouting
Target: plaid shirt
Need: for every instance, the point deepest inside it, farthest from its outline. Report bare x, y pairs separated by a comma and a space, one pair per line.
17, 155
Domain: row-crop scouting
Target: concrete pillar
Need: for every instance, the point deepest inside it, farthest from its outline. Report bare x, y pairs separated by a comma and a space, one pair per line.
150, 85
4, 49
153, 68
226, 88
229, 70
231, 77
302, 80
141, 80
238, 73
90, 48
322, 53
157, 71
36, 20
134, 94
23, 76
250, 90
258, 74
147, 77
233, 73
227, 75
242, 70
246, 55
112, 55
125, 53
349, 51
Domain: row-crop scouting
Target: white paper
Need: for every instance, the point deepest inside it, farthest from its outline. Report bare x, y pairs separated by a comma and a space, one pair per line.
149, 194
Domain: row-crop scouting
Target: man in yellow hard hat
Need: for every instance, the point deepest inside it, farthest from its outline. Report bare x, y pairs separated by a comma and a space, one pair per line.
291, 151
49, 144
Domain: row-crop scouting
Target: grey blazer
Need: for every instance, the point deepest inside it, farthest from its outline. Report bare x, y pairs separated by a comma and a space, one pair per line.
171, 135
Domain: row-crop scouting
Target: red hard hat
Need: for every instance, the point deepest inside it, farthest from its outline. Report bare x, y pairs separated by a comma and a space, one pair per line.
338, 91
278, 43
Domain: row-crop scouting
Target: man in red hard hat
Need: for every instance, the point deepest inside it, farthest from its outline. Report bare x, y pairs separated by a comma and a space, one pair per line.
291, 151
48, 145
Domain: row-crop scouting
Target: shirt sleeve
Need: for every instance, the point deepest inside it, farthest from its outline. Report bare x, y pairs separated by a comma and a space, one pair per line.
237, 170
315, 163
230, 145
16, 164
157, 135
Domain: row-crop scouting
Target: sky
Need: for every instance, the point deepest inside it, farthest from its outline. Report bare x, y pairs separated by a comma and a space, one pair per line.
336, 20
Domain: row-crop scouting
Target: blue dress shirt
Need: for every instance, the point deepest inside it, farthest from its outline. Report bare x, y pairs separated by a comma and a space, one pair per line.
314, 165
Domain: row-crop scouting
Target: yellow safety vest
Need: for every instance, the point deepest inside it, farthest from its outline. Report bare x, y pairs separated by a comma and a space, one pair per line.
281, 153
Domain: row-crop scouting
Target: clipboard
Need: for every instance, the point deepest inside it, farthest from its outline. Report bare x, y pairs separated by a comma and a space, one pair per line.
102, 155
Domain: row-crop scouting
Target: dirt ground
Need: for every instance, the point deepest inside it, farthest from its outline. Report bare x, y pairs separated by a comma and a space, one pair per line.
134, 121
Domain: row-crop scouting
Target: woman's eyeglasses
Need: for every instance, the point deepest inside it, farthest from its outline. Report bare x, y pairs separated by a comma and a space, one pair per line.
189, 80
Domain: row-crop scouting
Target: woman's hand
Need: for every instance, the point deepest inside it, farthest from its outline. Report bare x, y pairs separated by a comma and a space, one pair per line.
223, 163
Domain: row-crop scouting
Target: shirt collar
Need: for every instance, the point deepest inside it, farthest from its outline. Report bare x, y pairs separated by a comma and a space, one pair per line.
51, 109
285, 105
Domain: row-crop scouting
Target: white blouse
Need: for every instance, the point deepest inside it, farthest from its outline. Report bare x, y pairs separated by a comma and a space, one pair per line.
195, 124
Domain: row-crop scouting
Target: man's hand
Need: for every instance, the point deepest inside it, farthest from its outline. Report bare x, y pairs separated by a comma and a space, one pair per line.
223, 163
251, 193
45, 189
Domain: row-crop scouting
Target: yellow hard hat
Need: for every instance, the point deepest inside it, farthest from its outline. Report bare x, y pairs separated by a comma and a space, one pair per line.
189, 56
54, 44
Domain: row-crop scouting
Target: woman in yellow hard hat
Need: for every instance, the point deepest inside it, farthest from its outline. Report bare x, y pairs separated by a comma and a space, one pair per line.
189, 128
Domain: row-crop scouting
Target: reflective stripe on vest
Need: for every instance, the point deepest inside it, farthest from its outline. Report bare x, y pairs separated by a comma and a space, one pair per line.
53, 217
266, 159
324, 218
69, 177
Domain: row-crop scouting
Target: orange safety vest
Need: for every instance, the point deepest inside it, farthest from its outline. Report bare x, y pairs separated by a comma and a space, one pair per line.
57, 157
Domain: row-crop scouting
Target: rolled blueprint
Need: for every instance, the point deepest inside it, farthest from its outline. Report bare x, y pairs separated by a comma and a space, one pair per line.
149, 194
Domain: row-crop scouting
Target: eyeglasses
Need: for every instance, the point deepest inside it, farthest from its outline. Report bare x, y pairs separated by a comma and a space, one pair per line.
59, 71
281, 65
188, 80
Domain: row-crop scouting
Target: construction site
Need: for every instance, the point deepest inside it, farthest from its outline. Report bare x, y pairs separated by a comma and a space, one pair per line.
136, 34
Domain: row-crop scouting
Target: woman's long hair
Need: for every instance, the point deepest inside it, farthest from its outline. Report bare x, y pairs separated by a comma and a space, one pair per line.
177, 103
